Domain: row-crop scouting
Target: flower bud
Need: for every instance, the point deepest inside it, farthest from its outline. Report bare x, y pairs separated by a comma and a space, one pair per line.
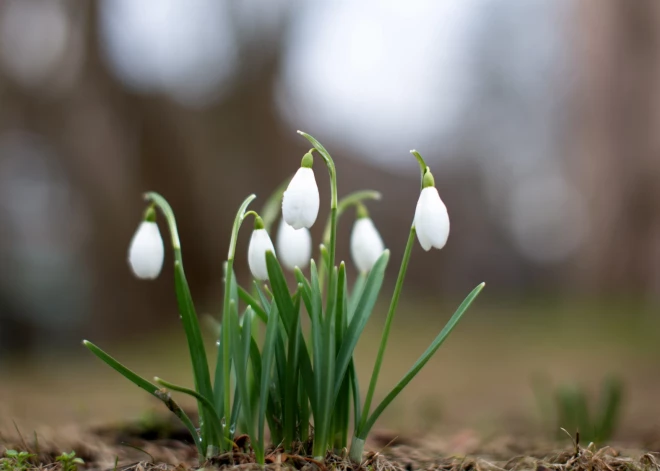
431, 218
366, 243
260, 243
300, 203
146, 252
293, 246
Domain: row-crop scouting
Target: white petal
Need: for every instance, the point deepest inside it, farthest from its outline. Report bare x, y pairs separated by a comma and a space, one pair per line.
260, 243
366, 244
146, 251
294, 247
431, 220
300, 203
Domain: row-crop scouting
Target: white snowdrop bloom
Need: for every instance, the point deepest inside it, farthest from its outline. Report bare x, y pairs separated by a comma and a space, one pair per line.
431, 218
146, 252
366, 244
300, 203
260, 243
294, 247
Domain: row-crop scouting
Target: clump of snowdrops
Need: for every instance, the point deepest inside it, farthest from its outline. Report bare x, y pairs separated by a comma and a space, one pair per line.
268, 370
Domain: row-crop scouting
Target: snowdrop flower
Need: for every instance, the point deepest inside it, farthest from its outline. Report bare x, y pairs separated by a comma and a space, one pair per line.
431, 218
146, 252
293, 246
366, 244
300, 204
260, 243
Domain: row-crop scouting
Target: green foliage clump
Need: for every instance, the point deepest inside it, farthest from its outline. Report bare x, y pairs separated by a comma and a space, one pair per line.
69, 461
16, 460
568, 407
268, 370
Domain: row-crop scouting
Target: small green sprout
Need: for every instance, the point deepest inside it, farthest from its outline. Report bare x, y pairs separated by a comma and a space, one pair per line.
69, 461
568, 407
16, 460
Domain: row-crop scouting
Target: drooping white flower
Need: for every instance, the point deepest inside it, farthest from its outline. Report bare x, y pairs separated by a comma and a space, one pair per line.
294, 247
146, 252
300, 202
260, 243
431, 218
366, 244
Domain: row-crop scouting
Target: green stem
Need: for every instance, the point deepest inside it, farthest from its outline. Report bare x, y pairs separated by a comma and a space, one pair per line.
202, 379
333, 195
226, 319
386, 330
204, 401
345, 203
357, 448
226, 349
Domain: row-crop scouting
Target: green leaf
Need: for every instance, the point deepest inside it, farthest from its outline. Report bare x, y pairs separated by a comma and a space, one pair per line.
356, 294
248, 299
188, 317
361, 316
292, 376
190, 323
267, 357
241, 358
151, 388
419, 364
206, 404
280, 291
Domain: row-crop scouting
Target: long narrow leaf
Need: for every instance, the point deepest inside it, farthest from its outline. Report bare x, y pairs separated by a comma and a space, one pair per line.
241, 357
360, 317
148, 386
280, 292
193, 332
266, 368
356, 294
292, 376
426, 356
248, 299
210, 409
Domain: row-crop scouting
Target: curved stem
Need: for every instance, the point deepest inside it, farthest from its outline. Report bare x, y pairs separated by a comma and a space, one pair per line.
386, 330
189, 320
333, 195
271, 209
164, 206
345, 203
420, 160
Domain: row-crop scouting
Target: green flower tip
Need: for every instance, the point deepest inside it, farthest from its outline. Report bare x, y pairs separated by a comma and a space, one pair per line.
361, 211
258, 222
307, 160
150, 214
428, 179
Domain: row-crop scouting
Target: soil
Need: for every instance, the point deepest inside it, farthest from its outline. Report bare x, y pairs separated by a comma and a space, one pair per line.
161, 445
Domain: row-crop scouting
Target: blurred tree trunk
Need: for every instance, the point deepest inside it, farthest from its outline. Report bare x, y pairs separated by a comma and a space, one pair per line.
618, 144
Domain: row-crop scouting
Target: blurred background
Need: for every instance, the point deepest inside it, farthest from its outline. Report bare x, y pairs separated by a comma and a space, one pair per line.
539, 119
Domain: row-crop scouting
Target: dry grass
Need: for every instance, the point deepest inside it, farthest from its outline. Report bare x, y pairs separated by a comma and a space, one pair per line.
104, 451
